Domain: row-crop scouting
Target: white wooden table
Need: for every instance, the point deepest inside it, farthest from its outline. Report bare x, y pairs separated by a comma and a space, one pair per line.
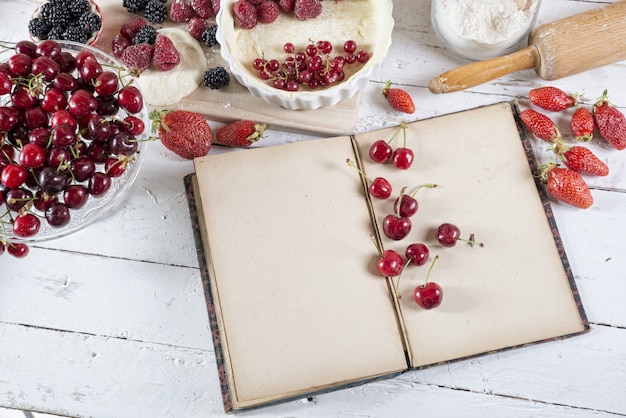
111, 321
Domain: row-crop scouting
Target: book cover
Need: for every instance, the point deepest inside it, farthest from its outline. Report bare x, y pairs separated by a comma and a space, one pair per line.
284, 238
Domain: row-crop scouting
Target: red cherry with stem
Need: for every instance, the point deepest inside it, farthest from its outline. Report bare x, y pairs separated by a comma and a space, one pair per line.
26, 47
406, 205
396, 228
448, 234
53, 100
381, 150
26, 225
379, 187
20, 64
62, 116
106, 84
17, 249
403, 157
75, 196
48, 48
57, 215
134, 125
417, 253
389, 263
46, 67
429, 294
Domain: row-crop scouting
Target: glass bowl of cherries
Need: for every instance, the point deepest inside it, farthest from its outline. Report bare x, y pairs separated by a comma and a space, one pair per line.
73, 125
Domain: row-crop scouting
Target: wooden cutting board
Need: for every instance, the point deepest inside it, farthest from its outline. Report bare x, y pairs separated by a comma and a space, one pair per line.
235, 101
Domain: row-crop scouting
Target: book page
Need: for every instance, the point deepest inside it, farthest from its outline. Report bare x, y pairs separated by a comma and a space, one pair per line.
512, 291
288, 238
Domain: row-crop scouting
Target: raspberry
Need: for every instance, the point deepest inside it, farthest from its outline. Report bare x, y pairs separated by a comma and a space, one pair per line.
197, 26
257, 2
181, 11
146, 35
165, 54
156, 11
208, 36
307, 9
203, 8
138, 57
286, 5
216, 78
130, 28
245, 14
268, 11
215, 4
119, 44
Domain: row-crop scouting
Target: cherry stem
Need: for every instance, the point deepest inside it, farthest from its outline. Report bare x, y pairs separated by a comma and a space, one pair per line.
429, 185
431, 268
398, 295
399, 201
378, 249
353, 165
471, 241
403, 127
397, 131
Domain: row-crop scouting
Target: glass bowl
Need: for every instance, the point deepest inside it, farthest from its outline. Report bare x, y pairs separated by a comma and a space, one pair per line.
367, 22
95, 208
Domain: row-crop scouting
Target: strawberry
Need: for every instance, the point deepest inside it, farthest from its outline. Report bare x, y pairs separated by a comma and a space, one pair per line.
268, 11
567, 186
240, 134
552, 98
399, 99
138, 57
245, 14
582, 124
165, 54
307, 9
581, 159
203, 8
540, 125
197, 26
186, 133
181, 11
610, 122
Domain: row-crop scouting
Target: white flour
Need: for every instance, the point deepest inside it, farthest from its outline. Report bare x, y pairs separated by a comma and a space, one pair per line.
479, 29
486, 21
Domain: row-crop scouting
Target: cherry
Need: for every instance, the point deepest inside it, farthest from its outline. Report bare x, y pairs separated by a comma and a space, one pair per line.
84, 56
13, 175
106, 84
57, 156
52, 180
63, 135
115, 167
403, 157
122, 143
389, 263
9, 117
99, 128
99, 184
448, 234
36, 117
417, 253
130, 99
89, 69
428, 295
20, 64
62, 116
5, 84
406, 205
53, 100
134, 125
82, 168
75, 196
17, 249
44, 200
379, 187
65, 82
46, 67
22, 98
349, 46
81, 102
26, 225
66, 61
380, 151
26, 47
107, 106
48, 48
395, 227
32, 156
17, 198
57, 215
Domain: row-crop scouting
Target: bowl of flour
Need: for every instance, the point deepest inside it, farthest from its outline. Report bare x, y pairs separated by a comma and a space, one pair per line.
483, 29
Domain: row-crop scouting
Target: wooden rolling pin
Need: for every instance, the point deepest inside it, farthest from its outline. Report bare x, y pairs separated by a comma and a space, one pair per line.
555, 50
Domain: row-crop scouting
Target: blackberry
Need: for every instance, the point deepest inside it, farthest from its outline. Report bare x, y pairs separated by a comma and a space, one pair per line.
156, 11
59, 15
78, 8
208, 36
38, 28
216, 78
135, 6
146, 35
90, 22
76, 33
56, 33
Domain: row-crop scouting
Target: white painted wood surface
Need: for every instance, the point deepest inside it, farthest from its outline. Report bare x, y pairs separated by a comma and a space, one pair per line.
111, 322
